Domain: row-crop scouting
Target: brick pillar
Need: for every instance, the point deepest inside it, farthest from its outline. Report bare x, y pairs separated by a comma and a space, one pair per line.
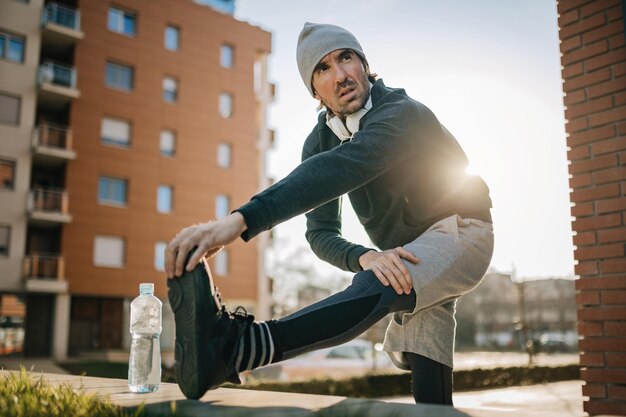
594, 82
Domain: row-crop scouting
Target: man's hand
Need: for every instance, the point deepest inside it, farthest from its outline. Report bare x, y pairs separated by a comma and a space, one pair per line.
389, 268
206, 238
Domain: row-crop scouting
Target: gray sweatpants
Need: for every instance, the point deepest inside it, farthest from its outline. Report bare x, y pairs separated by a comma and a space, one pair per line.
454, 256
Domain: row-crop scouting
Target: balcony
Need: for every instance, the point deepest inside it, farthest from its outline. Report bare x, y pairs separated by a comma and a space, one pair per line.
52, 144
57, 84
48, 206
60, 26
45, 273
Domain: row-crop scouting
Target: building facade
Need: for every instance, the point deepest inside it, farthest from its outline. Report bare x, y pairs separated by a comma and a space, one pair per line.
122, 123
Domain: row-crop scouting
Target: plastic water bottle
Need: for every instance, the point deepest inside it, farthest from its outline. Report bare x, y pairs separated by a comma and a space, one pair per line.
144, 366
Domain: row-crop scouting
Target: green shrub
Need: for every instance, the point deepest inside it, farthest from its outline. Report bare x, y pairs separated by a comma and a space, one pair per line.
382, 385
22, 395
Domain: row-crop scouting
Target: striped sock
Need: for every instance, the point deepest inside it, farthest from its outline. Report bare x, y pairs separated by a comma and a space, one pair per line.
256, 349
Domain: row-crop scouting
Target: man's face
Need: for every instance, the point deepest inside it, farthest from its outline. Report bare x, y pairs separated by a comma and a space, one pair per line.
340, 82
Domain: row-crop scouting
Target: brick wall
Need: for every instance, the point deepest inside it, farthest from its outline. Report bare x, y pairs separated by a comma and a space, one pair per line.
594, 82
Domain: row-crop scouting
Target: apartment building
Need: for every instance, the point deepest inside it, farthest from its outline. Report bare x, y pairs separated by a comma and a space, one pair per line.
121, 123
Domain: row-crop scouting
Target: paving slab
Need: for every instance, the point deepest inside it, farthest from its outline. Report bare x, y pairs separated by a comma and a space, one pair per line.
169, 400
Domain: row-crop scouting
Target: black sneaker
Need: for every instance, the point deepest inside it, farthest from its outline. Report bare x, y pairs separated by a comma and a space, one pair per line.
206, 333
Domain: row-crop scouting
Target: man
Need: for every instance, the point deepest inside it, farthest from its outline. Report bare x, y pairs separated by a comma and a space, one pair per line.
405, 176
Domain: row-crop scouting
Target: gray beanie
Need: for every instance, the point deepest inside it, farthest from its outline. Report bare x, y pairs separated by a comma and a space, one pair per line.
318, 40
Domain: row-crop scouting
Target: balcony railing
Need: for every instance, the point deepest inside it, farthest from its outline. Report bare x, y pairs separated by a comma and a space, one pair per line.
48, 201
57, 74
53, 136
48, 266
62, 16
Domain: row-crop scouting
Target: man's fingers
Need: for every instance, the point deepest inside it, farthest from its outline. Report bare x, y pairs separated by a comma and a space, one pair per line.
405, 254
380, 276
403, 276
195, 258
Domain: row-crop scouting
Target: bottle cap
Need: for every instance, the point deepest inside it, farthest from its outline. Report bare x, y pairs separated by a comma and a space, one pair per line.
146, 288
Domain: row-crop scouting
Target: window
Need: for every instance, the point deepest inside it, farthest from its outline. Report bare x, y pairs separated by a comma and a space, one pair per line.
5, 239
221, 262
164, 199
172, 38
119, 76
170, 89
227, 54
159, 256
226, 105
113, 191
12, 47
9, 109
221, 206
167, 142
7, 174
115, 132
224, 152
108, 251
121, 21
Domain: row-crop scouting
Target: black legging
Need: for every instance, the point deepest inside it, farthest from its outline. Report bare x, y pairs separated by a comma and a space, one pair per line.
344, 316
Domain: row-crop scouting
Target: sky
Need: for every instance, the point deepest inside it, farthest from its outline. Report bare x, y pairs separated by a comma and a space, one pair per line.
490, 71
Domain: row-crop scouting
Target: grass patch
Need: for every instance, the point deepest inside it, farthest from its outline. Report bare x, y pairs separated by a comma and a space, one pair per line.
22, 395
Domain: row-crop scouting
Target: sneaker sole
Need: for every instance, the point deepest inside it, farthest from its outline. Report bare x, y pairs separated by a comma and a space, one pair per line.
193, 298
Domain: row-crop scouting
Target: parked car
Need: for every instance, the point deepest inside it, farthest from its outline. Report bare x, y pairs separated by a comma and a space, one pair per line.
355, 358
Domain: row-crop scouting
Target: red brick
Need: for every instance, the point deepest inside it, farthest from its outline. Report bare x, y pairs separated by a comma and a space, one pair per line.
584, 25
612, 57
617, 392
595, 193
600, 283
615, 328
571, 43
587, 80
580, 180
576, 125
617, 41
579, 152
614, 297
588, 298
592, 358
603, 375
603, 32
612, 250
591, 106
619, 99
615, 13
591, 135
615, 115
586, 268
594, 390
612, 235
608, 87
619, 69
568, 18
610, 175
594, 164
586, 54
597, 222
585, 238
597, 7
611, 266
616, 360
621, 129
604, 313
574, 97
602, 407
607, 146
572, 70
582, 210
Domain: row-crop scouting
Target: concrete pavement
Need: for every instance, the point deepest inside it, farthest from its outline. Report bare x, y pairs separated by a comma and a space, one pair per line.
546, 400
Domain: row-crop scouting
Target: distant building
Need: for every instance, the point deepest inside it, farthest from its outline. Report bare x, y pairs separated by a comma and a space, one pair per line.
121, 123
492, 315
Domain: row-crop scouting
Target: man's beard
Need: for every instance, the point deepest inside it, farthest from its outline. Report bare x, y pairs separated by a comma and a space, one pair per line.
356, 103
